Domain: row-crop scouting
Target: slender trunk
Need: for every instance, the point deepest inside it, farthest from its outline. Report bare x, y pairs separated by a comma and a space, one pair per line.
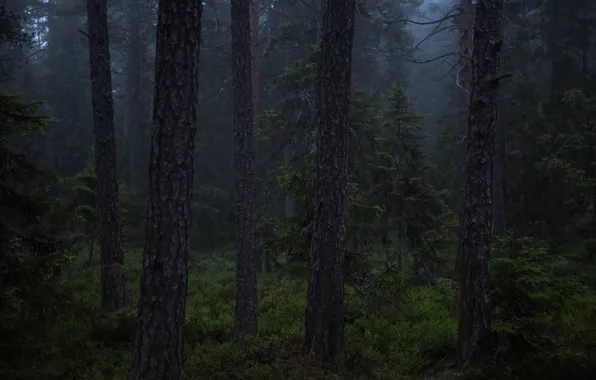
134, 103
465, 23
560, 72
324, 335
475, 305
113, 277
245, 321
256, 80
158, 350
499, 223
290, 204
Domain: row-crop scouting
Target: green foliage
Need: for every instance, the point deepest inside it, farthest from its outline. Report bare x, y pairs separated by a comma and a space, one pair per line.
543, 320
531, 301
416, 326
31, 252
390, 197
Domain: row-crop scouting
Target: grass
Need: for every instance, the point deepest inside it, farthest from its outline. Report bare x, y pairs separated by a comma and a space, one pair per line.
398, 331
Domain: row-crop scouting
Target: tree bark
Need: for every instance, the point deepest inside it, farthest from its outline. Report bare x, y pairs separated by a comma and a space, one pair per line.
256, 85
324, 336
159, 344
499, 222
134, 102
113, 277
475, 304
245, 321
465, 23
254, 46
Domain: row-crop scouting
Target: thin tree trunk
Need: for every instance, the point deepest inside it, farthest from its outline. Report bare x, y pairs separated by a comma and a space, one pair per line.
245, 321
499, 223
324, 335
134, 103
290, 204
158, 350
113, 277
475, 305
465, 24
256, 83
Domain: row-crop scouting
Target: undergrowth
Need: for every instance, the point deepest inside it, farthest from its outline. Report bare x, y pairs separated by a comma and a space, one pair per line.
544, 327
83, 344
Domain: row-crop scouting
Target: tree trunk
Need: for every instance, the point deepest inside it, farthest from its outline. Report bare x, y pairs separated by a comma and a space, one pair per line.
255, 52
256, 80
475, 305
324, 336
159, 344
290, 204
113, 277
465, 24
499, 223
246, 271
134, 102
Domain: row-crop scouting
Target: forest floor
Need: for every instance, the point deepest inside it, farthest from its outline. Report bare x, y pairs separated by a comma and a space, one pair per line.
397, 331
396, 337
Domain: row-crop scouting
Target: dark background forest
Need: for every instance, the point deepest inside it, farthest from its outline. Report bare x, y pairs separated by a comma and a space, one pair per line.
297, 189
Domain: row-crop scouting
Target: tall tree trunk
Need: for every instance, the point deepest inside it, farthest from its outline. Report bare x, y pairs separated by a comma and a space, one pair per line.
159, 345
475, 305
255, 52
113, 277
256, 83
499, 223
134, 102
324, 335
290, 204
246, 272
465, 23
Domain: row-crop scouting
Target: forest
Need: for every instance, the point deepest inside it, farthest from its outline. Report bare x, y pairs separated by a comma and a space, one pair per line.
297, 189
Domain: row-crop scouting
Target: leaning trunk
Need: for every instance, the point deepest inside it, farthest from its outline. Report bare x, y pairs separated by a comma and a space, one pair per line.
159, 345
475, 305
113, 277
324, 335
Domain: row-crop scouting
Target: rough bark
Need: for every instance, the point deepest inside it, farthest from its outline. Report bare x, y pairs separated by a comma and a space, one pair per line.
113, 276
159, 343
134, 102
255, 52
245, 321
499, 222
475, 305
256, 85
324, 336
465, 23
